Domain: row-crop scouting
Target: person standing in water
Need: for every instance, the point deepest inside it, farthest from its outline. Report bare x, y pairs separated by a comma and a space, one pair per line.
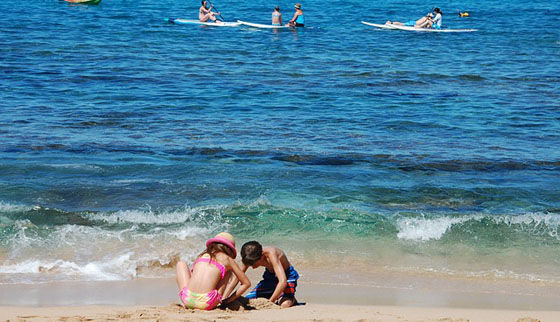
298, 20
205, 14
276, 17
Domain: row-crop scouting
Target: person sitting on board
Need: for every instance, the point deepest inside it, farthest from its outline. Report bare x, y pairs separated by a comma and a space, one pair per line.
298, 20
436, 22
276, 17
424, 22
205, 14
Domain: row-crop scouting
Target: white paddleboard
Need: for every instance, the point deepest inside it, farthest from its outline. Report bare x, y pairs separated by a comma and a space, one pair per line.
197, 22
384, 26
258, 25
411, 28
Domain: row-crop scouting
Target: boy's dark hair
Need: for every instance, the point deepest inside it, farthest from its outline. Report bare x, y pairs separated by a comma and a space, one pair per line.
251, 252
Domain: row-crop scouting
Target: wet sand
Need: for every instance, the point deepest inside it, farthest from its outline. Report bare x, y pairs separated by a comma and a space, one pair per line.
156, 300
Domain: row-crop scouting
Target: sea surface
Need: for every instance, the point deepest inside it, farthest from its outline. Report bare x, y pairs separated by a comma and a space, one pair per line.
127, 141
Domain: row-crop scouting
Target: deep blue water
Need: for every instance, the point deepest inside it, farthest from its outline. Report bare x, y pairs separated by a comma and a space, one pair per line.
116, 125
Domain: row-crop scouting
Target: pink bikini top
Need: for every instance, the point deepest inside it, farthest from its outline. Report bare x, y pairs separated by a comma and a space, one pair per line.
213, 262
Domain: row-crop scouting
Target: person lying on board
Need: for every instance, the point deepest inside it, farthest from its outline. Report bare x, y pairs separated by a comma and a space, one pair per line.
205, 14
424, 22
276, 17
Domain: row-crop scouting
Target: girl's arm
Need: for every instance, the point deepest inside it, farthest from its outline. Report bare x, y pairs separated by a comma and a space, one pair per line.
233, 282
245, 283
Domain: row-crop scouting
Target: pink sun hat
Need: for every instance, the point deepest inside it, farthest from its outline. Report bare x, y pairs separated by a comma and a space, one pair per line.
224, 238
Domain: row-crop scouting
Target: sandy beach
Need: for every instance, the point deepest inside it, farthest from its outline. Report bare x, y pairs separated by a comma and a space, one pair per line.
155, 300
262, 312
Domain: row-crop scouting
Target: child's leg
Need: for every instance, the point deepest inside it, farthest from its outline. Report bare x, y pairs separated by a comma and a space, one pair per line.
286, 302
264, 288
206, 17
183, 274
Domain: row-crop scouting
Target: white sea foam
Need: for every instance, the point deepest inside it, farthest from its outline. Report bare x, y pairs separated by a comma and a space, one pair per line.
121, 263
148, 216
424, 229
112, 269
78, 252
77, 238
7, 207
535, 223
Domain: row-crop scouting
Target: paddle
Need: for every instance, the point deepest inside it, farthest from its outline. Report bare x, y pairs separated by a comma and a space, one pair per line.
220, 15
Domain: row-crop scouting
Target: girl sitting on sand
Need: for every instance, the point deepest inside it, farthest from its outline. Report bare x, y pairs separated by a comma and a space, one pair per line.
203, 286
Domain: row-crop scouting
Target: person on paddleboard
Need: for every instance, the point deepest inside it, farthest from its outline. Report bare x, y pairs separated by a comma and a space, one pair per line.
298, 20
436, 22
424, 22
276, 17
205, 14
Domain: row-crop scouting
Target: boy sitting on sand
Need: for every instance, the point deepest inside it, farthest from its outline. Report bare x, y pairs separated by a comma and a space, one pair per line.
279, 279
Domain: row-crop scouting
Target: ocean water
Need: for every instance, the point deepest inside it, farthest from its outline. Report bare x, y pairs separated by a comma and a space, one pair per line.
126, 141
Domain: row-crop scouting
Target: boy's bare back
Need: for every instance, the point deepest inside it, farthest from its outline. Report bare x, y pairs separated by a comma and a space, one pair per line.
273, 255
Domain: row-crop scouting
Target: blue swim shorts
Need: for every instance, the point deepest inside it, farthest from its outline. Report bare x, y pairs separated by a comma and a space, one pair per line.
266, 287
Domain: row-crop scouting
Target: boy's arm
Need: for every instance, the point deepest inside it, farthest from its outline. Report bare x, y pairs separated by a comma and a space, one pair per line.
233, 282
281, 275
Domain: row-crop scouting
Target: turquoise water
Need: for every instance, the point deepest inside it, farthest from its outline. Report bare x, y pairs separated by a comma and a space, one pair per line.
126, 141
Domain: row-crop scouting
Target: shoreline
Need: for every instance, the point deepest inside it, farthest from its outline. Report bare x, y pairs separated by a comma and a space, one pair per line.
422, 300
163, 291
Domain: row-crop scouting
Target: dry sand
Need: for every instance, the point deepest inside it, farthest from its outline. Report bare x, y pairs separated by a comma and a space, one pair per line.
260, 310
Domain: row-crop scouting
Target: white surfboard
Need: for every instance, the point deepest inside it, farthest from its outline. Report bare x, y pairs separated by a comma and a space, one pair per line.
258, 25
197, 22
411, 28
